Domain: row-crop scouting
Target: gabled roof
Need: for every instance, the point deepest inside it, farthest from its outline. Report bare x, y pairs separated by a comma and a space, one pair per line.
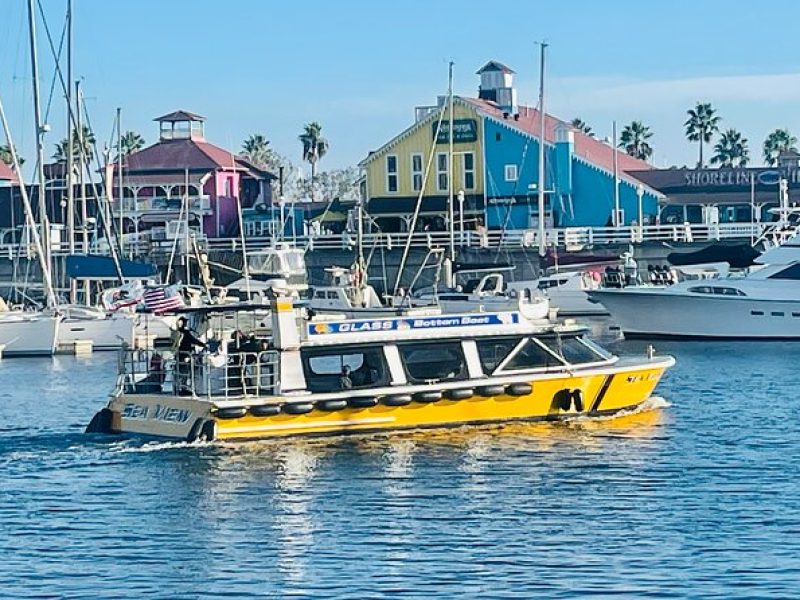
7, 173
494, 65
180, 115
588, 148
196, 156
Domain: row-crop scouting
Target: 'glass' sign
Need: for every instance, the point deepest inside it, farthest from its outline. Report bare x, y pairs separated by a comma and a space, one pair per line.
466, 130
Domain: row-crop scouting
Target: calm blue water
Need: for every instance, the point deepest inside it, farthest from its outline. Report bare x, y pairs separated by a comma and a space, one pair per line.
699, 499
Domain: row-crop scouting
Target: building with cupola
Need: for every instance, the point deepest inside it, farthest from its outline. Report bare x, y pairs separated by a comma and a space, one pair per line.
182, 167
495, 167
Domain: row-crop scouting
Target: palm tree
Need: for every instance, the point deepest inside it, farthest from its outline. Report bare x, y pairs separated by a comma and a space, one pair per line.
634, 140
581, 126
256, 150
131, 142
314, 148
777, 142
701, 125
731, 150
88, 146
5, 155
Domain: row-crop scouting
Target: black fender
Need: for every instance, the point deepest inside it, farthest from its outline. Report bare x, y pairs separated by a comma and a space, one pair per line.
231, 412
297, 408
577, 400
194, 432
461, 394
331, 405
362, 402
101, 422
519, 389
209, 430
396, 400
265, 410
431, 396
488, 391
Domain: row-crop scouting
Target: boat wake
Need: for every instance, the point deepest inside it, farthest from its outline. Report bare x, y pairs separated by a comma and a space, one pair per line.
653, 403
136, 446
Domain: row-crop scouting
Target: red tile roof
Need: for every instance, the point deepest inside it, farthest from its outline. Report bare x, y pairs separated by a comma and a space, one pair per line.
174, 155
6, 173
588, 148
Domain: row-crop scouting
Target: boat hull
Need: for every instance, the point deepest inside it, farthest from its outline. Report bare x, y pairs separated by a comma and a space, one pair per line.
661, 314
524, 398
105, 334
23, 334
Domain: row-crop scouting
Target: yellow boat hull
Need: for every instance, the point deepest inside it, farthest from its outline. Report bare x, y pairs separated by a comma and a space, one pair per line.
603, 392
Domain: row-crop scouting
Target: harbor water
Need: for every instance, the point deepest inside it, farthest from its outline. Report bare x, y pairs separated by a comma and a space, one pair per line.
699, 497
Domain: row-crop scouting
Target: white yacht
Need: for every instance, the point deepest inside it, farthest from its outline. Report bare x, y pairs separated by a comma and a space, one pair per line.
762, 303
486, 292
567, 291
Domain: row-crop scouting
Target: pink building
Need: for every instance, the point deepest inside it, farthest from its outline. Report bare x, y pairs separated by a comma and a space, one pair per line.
7, 175
158, 179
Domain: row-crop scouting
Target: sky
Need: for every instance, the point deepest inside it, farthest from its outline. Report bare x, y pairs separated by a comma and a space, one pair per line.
360, 67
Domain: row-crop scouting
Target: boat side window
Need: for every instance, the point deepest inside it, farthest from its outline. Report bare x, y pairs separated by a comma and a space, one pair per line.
433, 361
728, 291
531, 356
319, 294
493, 351
790, 272
332, 295
703, 289
573, 350
324, 368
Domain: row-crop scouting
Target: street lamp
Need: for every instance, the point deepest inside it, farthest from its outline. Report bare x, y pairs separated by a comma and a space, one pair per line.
461, 214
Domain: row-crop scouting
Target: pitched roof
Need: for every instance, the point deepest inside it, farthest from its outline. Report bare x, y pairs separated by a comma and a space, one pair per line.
180, 115
494, 65
172, 155
7, 173
587, 147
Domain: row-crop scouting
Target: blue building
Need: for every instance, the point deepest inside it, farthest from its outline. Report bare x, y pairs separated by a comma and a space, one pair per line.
501, 139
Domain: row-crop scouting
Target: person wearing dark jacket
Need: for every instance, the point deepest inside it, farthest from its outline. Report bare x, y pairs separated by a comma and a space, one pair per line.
186, 343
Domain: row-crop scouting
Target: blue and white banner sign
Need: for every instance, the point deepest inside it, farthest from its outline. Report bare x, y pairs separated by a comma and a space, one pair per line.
413, 323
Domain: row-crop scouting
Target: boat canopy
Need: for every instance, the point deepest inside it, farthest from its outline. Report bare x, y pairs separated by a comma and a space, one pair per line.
102, 268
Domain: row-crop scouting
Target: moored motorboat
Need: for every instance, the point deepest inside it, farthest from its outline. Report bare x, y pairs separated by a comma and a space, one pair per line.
325, 376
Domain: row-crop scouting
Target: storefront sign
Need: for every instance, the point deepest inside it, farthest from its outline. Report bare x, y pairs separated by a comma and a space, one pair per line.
466, 130
739, 177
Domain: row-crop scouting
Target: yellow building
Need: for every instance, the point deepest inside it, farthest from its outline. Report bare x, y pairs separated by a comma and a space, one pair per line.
415, 166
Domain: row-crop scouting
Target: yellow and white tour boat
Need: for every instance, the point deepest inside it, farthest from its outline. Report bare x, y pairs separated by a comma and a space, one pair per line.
290, 375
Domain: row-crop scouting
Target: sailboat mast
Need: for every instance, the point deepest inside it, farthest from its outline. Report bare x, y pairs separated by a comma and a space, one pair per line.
70, 142
541, 183
615, 221
40, 131
29, 218
450, 210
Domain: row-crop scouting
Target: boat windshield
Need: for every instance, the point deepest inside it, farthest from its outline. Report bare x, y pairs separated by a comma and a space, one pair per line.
575, 351
493, 351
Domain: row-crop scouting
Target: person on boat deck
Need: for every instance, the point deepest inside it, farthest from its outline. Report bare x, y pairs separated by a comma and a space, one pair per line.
186, 339
345, 382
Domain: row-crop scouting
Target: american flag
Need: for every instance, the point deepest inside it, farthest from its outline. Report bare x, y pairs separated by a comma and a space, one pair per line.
163, 298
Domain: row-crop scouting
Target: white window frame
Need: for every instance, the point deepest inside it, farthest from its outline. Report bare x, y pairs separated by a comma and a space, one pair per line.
392, 174
420, 172
464, 171
511, 173
440, 172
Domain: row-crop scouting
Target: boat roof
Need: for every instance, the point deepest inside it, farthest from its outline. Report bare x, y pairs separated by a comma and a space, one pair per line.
426, 327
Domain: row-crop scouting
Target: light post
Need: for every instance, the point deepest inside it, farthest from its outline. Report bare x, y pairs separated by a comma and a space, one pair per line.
639, 196
461, 214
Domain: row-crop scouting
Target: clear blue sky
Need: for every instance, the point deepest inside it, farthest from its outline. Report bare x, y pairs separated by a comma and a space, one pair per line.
360, 67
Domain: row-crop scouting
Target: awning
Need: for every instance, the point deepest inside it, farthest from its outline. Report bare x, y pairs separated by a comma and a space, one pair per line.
92, 266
